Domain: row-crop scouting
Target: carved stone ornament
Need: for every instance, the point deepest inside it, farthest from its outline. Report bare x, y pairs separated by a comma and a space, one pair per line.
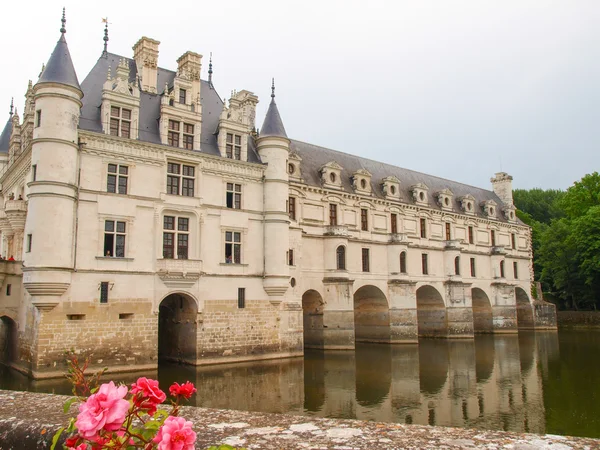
444, 198
467, 203
419, 192
509, 213
489, 208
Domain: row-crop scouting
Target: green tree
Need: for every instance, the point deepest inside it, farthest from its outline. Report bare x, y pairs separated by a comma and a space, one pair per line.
541, 205
582, 196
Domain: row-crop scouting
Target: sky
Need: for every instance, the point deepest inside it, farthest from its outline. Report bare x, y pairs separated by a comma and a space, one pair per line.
456, 89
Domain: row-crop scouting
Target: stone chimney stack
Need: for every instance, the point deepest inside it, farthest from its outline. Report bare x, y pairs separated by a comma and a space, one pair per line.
502, 186
145, 53
188, 68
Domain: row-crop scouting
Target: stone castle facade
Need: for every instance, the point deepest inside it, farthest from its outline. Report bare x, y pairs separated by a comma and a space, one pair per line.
149, 218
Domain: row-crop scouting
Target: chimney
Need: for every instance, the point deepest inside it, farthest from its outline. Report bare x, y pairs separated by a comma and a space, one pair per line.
502, 186
145, 53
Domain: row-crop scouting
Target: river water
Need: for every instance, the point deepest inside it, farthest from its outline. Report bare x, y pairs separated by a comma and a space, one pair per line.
540, 382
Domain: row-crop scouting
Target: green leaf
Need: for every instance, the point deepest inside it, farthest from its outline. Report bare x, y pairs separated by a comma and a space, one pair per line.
56, 437
71, 426
68, 404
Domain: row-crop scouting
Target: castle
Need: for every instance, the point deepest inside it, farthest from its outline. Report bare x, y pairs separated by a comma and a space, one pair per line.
149, 218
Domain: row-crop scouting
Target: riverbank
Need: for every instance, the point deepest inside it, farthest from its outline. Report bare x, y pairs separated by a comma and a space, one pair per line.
578, 319
29, 420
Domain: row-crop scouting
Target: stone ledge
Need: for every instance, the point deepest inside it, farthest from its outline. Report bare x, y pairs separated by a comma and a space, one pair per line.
29, 420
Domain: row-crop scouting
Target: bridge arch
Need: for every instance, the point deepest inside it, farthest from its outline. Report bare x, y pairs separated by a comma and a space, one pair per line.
178, 328
482, 312
431, 312
9, 343
524, 309
312, 319
371, 315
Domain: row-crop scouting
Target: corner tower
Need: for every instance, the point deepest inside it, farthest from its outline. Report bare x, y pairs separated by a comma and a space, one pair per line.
50, 226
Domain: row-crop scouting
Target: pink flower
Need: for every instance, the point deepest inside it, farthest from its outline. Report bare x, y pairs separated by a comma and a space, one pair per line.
147, 395
185, 390
105, 409
79, 447
176, 434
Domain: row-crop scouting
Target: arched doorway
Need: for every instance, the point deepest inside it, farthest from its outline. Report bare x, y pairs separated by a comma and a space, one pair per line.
177, 329
482, 312
524, 309
431, 313
371, 315
312, 319
8, 340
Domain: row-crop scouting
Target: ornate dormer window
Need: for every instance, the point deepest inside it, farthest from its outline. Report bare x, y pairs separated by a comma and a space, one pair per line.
120, 103
294, 171
444, 199
509, 213
419, 193
331, 175
235, 125
391, 188
467, 203
489, 208
361, 181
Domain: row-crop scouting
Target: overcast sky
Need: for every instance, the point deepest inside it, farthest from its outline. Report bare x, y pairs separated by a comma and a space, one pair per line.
456, 89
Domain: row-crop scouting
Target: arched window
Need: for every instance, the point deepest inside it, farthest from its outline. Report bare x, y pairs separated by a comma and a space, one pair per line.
403, 262
457, 265
501, 269
341, 257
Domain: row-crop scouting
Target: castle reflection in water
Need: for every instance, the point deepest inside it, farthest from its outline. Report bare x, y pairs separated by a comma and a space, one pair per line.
493, 382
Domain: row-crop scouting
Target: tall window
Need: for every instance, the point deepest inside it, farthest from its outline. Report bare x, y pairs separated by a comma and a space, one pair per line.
176, 235
120, 121
516, 270
473, 267
188, 136
292, 207
365, 260
501, 269
340, 254
493, 237
116, 180
241, 298
34, 172
114, 238
234, 195
457, 265
448, 234
423, 228
38, 118
104, 292
233, 146
471, 239
291, 257
180, 179
402, 262
30, 241
182, 93
233, 247
178, 133
173, 134
332, 214
424, 265
394, 222
364, 219
513, 240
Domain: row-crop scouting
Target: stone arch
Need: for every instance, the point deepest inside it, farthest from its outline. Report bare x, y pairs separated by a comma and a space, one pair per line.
482, 312
178, 328
9, 344
371, 315
431, 313
524, 309
312, 318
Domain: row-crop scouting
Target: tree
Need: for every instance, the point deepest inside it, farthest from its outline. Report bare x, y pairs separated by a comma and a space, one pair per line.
541, 205
582, 196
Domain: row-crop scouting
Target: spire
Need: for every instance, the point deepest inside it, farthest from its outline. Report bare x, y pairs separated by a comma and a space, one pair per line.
210, 71
105, 38
60, 66
273, 125
12, 104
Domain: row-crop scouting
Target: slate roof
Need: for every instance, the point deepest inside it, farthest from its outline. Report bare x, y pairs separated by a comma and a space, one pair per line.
60, 67
5, 136
273, 125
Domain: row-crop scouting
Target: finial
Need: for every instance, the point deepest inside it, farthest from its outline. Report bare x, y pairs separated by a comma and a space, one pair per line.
63, 30
105, 38
42, 71
12, 104
210, 72
273, 88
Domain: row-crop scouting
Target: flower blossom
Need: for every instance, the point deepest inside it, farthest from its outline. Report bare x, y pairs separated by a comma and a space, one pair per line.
106, 409
147, 395
185, 390
175, 434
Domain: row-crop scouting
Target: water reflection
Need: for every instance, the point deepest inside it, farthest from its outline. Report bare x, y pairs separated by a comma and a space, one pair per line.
493, 382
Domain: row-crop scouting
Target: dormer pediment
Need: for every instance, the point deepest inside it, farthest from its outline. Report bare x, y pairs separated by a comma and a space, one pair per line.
489, 208
391, 187
331, 175
444, 199
467, 204
361, 181
419, 193
509, 212
120, 103
294, 168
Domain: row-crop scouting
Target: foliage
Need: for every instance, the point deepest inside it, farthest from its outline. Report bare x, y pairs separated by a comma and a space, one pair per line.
540, 205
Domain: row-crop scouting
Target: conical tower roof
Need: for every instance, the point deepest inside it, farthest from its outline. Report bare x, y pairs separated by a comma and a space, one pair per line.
6, 133
273, 125
60, 65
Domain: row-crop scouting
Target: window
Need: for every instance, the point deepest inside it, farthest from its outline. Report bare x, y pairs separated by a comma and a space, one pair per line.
457, 265
34, 172
501, 269
448, 234
424, 264
241, 298
394, 222
233, 146
182, 93
120, 121
234, 195
513, 240
423, 228
29, 239
180, 179
116, 180
173, 134
473, 267
38, 118
176, 231
340, 254
291, 257
493, 237
188, 136
104, 292
233, 247
114, 238
516, 270
365, 260
8, 289
403, 262
332, 214
471, 240
364, 221
292, 208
